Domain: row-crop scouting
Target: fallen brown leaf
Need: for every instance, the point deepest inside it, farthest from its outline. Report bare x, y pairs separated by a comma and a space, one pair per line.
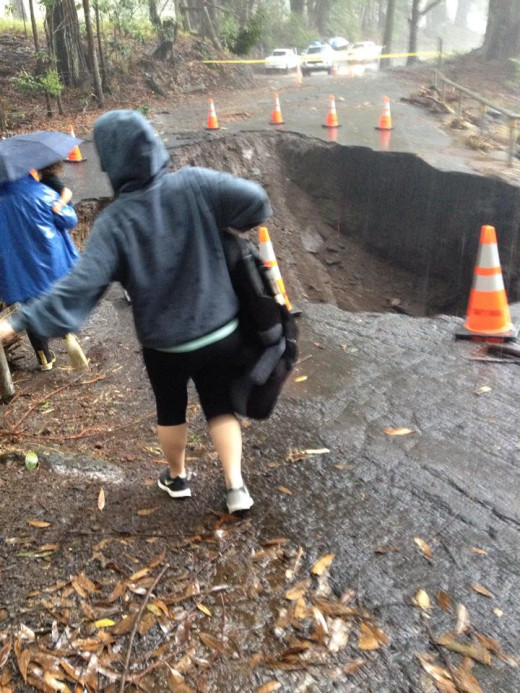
371, 638
5, 652
422, 600
353, 666
212, 642
298, 590
443, 599
284, 489
269, 687
442, 677
101, 499
147, 511
424, 547
400, 431
322, 564
204, 609
473, 650
478, 550
463, 620
480, 589
38, 523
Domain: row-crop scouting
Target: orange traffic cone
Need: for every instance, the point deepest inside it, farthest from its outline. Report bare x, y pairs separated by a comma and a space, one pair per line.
269, 259
75, 155
331, 120
276, 113
488, 317
385, 119
212, 116
334, 70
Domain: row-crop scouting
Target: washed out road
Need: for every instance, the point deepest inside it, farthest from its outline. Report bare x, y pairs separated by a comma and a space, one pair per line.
419, 439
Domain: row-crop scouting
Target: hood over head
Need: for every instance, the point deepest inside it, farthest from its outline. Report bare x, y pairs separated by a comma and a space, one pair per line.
129, 150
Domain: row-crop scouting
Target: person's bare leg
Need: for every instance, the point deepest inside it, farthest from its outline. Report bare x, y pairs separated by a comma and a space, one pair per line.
173, 440
226, 435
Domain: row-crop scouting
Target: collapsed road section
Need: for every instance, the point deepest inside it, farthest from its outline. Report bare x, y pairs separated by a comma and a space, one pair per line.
367, 230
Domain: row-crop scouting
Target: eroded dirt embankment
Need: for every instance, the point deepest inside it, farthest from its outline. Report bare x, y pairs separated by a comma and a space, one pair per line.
366, 230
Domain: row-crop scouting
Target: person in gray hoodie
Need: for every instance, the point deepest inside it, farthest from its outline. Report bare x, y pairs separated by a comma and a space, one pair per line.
161, 239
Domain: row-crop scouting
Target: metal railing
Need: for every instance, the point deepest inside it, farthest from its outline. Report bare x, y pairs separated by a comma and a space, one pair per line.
511, 117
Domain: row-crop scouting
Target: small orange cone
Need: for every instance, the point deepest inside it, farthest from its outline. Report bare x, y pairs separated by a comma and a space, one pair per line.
334, 70
269, 259
488, 317
276, 113
212, 116
385, 119
331, 120
75, 155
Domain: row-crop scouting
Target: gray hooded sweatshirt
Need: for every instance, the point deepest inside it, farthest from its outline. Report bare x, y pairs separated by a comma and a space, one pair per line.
160, 238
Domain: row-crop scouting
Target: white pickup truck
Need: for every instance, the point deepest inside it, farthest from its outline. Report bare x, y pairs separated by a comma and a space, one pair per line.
284, 59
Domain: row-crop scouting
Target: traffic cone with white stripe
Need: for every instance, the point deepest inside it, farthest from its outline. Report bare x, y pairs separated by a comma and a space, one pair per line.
276, 113
488, 318
385, 119
331, 120
269, 259
212, 116
75, 155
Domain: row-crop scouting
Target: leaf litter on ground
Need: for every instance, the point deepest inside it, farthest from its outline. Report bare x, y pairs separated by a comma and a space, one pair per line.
190, 618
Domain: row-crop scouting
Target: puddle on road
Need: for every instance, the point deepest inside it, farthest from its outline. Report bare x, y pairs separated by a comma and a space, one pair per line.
365, 230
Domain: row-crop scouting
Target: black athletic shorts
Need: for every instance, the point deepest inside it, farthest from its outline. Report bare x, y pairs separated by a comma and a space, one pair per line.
212, 368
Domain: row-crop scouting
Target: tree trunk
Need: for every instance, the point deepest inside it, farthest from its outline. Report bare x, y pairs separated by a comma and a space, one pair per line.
34, 27
210, 29
461, 18
6, 383
502, 39
389, 33
104, 80
414, 29
297, 6
321, 15
98, 90
416, 15
64, 40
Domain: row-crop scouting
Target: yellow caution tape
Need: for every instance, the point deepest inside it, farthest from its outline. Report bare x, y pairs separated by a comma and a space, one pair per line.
339, 58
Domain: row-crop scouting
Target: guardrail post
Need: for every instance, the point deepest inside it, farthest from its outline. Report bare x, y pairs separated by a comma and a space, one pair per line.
459, 109
439, 57
512, 140
443, 92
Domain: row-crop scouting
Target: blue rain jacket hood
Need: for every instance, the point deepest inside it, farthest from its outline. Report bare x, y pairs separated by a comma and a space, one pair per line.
35, 247
130, 152
160, 238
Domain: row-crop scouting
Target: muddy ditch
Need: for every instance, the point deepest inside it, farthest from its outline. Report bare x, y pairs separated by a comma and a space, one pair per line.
364, 230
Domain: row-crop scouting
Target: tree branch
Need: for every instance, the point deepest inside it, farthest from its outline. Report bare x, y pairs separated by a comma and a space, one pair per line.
429, 7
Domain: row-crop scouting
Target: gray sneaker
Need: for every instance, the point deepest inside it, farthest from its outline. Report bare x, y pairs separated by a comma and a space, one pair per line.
238, 499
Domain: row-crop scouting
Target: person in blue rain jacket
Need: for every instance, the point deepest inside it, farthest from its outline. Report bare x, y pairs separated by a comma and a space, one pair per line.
35, 248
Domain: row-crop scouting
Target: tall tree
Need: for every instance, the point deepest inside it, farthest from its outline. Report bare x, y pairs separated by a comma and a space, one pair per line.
98, 90
461, 17
34, 27
389, 32
416, 15
502, 39
64, 41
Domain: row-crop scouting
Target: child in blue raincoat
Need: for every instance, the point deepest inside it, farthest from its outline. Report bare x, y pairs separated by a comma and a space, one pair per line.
35, 248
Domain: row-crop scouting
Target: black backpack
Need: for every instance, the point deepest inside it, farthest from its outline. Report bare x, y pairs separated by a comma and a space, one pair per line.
268, 328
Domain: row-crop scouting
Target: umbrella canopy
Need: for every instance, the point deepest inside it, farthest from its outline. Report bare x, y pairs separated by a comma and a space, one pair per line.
36, 150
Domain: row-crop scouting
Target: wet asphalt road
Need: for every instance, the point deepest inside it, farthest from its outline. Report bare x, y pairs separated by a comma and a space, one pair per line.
454, 480
359, 103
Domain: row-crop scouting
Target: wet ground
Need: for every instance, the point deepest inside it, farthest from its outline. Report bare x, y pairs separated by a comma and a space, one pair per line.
359, 103
394, 448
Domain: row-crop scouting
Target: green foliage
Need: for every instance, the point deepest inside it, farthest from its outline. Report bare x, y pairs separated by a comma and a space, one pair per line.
241, 39
284, 29
49, 83
143, 110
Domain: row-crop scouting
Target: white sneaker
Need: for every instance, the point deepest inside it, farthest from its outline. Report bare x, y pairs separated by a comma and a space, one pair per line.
238, 499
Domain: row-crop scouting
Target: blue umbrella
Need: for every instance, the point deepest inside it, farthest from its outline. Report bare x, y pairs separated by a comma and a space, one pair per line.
36, 150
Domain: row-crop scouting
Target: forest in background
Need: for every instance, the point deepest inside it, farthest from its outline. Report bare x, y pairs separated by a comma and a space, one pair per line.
80, 45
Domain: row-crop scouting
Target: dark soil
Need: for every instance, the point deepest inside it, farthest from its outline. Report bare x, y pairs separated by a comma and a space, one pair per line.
135, 81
